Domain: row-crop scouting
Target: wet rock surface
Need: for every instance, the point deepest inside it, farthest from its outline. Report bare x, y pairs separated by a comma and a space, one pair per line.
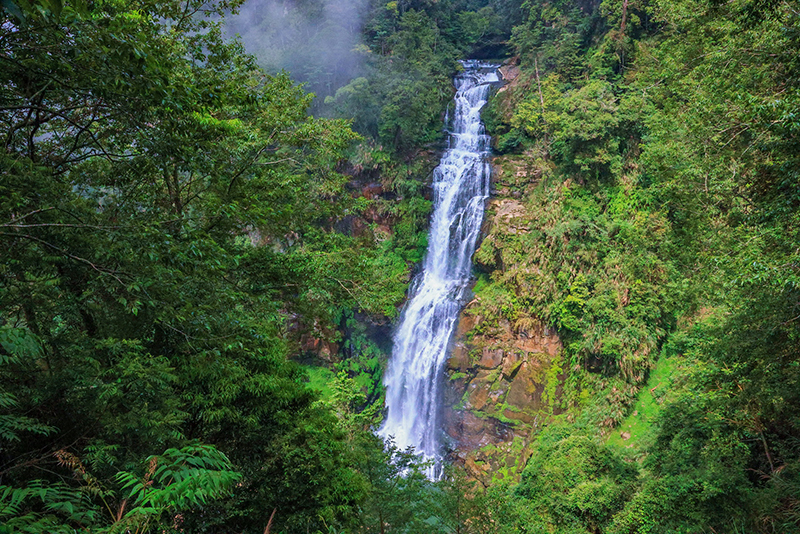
496, 395
499, 368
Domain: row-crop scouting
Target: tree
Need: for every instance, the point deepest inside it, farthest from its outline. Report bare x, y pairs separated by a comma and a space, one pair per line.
575, 483
166, 208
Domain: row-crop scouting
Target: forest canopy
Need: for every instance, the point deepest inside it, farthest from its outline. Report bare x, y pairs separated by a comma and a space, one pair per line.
180, 220
167, 209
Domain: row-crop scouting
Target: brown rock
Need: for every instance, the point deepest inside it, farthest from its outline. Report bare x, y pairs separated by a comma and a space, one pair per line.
477, 397
511, 216
522, 417
484, 377
625, 435
511, 364
504, 367
479, 471
526, 389
322, 349
466, 323
480, 387
475, 432
498, 392
475, 467
491, 358
536, 339
371, 191
518, 394
509, 72
459, 358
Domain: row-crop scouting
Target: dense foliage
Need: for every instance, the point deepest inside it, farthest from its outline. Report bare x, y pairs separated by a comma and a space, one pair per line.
663, 224
168, 211
176, 226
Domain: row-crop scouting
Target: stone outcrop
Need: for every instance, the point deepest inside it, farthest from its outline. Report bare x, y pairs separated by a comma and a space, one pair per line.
509, 70
497, 393
504, 374
325, 350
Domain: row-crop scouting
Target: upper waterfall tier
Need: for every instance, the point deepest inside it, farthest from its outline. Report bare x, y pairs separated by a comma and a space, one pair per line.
461, 186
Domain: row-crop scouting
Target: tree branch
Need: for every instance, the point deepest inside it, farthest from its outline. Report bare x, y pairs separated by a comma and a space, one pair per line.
101, 270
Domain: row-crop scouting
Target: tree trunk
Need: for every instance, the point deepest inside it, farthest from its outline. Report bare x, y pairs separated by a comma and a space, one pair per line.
624, 16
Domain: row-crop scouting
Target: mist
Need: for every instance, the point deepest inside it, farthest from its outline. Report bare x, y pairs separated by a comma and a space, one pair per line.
314, 40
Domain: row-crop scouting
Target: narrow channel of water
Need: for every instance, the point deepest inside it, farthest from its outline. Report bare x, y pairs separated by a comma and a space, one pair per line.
461, 185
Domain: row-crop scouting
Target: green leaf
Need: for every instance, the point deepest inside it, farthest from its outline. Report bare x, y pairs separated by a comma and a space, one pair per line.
13, 9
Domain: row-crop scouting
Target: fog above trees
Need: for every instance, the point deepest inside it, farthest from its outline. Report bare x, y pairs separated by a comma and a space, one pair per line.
317, 41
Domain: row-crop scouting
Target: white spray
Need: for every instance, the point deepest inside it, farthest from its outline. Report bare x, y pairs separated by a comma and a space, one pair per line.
461, 185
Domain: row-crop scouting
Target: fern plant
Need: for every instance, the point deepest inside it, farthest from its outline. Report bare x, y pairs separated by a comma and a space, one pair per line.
171, 483
16, 345
179, 479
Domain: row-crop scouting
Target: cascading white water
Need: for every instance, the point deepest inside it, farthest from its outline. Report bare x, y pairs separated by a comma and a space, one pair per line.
461, 185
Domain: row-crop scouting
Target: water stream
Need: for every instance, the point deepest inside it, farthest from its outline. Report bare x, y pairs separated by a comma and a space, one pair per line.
461, 185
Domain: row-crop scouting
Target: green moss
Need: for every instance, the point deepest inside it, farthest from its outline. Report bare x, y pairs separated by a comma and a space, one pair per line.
509, 459
500, 414
648, 404
493, 377
516, 366
511, 408
552, 382
319, 379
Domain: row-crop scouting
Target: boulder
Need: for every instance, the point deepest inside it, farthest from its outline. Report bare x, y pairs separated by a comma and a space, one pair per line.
491, 358
521, 416
511, 364
526, 389
460, 360
477, 397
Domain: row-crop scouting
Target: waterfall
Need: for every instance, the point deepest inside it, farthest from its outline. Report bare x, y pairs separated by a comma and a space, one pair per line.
461, 185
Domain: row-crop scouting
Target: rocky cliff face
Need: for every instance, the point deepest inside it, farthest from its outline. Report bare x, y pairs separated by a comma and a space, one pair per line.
505, 369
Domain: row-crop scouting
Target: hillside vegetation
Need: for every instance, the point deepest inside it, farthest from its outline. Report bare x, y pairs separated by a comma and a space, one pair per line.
661, 231
182, 230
